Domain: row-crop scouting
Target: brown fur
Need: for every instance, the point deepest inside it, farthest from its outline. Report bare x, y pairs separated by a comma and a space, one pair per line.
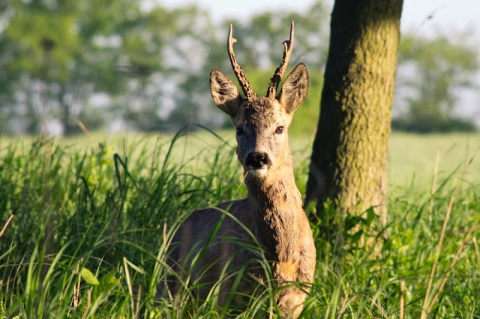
272, 211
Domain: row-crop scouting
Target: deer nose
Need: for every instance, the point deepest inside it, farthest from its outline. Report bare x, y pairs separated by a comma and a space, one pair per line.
257, 160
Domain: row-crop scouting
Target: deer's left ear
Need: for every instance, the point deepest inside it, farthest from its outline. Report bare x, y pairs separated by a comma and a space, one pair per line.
294, 89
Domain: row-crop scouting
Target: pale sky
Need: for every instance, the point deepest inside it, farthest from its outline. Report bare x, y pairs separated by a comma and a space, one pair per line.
456, 15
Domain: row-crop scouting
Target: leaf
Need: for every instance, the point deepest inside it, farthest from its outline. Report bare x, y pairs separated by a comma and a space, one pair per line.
355, 239
138, 269
370, 216
109, 279
89, 277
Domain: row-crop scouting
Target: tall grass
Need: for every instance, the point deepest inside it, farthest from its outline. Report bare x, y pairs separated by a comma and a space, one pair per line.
91, 227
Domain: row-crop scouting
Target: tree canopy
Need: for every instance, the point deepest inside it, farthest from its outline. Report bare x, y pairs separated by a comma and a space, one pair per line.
93, 63
432, 73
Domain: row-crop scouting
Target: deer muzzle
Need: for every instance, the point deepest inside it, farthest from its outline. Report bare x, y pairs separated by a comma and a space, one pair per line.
258, 163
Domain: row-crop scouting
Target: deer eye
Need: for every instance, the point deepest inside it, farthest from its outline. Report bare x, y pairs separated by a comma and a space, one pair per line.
239, 131
279, 130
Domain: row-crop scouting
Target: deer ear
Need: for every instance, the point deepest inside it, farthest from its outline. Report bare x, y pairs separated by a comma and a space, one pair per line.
294, 89
224, 92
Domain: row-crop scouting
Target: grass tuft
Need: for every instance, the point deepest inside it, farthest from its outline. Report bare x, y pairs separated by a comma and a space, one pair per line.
92, 225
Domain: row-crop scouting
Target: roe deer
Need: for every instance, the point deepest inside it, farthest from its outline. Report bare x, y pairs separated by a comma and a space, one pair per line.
272, 212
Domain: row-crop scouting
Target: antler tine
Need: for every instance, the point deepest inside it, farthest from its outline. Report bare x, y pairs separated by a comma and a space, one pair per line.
242, 78
277, 76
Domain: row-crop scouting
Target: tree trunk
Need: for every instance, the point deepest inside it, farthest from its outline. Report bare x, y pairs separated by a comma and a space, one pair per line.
349, 160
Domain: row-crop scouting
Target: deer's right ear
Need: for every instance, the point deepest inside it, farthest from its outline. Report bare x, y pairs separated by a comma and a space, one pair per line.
294, 88
224, 92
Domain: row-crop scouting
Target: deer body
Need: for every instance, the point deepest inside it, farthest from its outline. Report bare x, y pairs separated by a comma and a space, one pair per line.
272, 212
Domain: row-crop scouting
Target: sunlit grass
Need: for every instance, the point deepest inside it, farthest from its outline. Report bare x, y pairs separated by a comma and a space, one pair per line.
90, 228
412, 157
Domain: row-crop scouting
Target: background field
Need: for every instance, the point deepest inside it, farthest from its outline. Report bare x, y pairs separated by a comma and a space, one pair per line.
412, 157
89, 229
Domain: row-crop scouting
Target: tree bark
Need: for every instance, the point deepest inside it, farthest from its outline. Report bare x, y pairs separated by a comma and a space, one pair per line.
349, 159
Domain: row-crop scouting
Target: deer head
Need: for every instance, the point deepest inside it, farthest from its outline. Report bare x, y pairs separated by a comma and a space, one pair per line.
262, 122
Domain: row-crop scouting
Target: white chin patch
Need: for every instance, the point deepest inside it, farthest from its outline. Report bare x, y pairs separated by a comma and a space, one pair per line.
259, 172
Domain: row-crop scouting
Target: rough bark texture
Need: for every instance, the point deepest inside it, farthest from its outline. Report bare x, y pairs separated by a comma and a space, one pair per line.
349, 160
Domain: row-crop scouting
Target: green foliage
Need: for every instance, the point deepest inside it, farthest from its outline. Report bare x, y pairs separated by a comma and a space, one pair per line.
431, 73
62, 59
92, 62
62, 53
50, 50
38, 32
92, 224
89, 277
433, 123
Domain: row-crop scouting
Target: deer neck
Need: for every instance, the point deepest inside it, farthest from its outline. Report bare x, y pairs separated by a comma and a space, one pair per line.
276, 191
277, 206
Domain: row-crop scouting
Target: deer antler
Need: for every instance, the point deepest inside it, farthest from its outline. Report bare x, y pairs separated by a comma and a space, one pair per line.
277, 76
242, 78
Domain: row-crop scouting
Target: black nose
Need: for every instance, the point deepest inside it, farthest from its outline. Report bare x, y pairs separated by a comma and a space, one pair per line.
257, 160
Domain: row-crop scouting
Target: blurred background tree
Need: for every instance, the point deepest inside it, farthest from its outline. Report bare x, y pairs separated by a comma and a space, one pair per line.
431, 74
54, 55
98, 64
126, 64
61, 59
